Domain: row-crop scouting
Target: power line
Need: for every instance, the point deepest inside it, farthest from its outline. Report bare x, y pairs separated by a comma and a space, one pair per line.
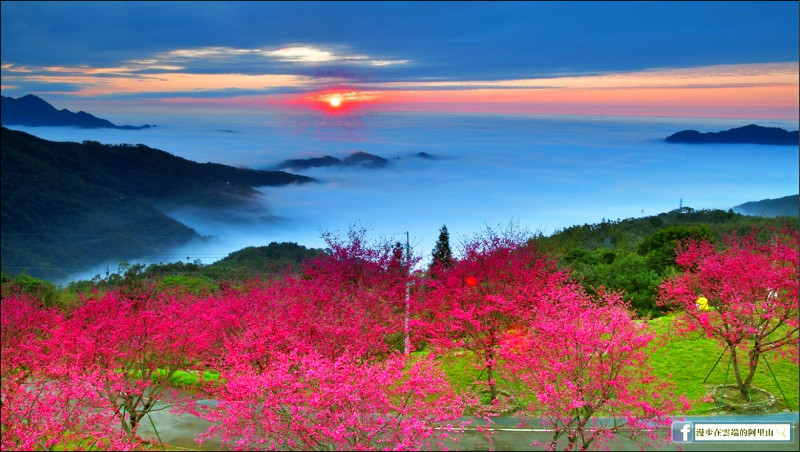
384, 234
88, 235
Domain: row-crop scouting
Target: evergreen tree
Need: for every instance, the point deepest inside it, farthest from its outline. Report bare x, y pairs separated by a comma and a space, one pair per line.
442, 254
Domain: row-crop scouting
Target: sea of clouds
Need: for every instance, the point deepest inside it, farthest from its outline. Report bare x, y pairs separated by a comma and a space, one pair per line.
536, 173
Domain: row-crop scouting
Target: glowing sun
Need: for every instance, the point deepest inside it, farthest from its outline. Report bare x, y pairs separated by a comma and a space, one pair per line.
339, 101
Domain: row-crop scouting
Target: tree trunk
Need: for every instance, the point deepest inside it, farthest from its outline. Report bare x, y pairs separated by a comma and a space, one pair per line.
752, 364
490, 371
743, 385
492, 387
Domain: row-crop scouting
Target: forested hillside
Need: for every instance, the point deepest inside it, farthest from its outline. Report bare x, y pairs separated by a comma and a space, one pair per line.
67, 206
787, 205
634, 255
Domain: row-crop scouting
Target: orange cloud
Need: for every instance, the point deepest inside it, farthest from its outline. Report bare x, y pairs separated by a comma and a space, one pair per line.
777, 102
708, 76
172, 82
745, 90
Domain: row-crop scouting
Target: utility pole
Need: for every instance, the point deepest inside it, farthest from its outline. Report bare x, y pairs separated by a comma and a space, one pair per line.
408, 292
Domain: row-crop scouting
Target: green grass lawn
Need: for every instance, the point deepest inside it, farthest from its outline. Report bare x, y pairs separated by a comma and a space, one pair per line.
191, 379
682, 360
686, 361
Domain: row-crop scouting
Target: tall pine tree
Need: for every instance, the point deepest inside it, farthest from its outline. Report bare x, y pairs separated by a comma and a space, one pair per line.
442, 255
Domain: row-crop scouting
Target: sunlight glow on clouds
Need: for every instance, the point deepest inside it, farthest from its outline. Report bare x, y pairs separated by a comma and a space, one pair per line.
335, 100
709, 76
300, 54
747, 91
733, 102
200, 70
90, 85
344, 96
201, 53
315, 55
11, 67
741, 90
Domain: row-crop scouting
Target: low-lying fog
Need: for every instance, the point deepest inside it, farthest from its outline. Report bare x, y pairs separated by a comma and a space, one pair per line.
537, 173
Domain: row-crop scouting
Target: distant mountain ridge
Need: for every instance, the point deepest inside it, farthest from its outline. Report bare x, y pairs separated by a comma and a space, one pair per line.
749, 134
788, 206
354, 159
34, 111
359, 158
68, 206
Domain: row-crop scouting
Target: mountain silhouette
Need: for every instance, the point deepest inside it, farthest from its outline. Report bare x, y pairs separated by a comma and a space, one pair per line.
68, 206
779, 207
750, 134
359, 158
34, 111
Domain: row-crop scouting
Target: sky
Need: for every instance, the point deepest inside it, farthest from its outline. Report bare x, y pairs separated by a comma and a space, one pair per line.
673, 59
544, 114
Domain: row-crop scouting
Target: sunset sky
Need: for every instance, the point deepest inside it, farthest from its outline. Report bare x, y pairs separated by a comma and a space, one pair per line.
684, 59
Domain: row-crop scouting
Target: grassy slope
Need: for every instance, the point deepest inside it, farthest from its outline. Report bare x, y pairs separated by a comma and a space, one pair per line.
687, 360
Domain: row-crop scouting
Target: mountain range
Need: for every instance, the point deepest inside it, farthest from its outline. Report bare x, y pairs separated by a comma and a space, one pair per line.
355, 159
67, 206
749, 134
359, 158
34, 111
787, 206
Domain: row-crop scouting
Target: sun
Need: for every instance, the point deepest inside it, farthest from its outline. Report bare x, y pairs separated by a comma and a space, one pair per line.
339, 101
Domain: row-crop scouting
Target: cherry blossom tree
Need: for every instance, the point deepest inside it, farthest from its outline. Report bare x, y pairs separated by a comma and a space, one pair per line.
497, 284
349, 301
25, 326
581, 366
751, 288
45, 402
62, 410
134, 344
304, 401
309, 364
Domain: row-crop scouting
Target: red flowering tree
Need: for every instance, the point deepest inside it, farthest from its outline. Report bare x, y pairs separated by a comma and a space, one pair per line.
354, 297
349, 302
133, 345
310, 364
308, 402
496, 285
46, 403
25, 326
581, 366
751, 289
61, 410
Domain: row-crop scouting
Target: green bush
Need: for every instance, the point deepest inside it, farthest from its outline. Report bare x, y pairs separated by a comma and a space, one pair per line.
187, 284
44, 291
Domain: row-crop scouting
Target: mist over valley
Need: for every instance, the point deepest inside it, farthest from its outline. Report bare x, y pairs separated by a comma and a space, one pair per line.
538, 173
